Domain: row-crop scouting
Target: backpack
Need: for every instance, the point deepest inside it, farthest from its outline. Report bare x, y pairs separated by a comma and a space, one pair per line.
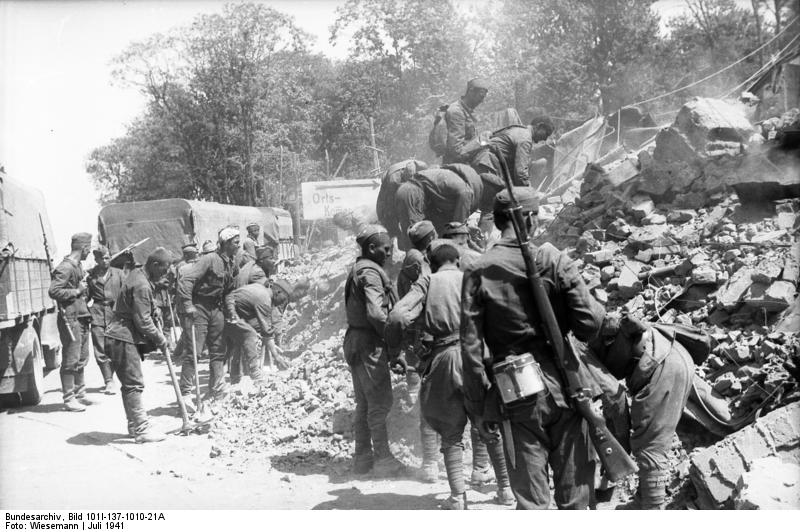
437, 138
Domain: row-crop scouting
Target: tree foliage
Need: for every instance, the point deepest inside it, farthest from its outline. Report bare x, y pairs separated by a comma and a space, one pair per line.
238, 108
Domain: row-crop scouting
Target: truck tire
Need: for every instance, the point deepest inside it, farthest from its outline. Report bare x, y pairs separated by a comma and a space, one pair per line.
52, 357
33, 395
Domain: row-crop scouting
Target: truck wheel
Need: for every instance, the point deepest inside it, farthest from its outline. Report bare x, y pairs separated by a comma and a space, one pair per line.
52, 357
33, 395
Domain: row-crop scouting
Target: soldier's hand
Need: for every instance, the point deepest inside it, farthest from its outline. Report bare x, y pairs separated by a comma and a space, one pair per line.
399, 365
190, 311
273, 347
490, 432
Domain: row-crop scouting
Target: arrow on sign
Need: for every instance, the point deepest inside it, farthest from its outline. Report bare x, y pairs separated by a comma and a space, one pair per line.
372, 184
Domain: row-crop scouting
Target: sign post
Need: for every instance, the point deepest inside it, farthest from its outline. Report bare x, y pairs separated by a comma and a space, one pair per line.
323, 199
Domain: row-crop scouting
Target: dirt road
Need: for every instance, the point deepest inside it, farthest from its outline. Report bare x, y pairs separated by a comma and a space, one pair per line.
57, 460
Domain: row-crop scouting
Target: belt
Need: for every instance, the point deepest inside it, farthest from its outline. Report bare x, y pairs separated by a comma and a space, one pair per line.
442, 341
208, 301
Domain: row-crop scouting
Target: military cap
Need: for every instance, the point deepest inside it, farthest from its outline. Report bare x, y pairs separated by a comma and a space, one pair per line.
478, 83
228, 233
369, 231
436, 243
160, 255
526, 197
81, 239
191, 246
209, 246
100, 251
455, 228
253, 224
283, 285
420, 230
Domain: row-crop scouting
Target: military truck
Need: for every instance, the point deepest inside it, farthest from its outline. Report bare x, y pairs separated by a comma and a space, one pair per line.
170, 223
29, 341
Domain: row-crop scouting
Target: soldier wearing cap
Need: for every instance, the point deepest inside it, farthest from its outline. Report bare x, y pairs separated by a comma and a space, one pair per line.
250, 271
282, 294
458, 232
369, 296
442, 195
544, 430
254, 304
250, 244
386, 206
208, 247
511, 147
461, 123
434, 302
68, 290
103, 284
190, 256
132, 333
205, 294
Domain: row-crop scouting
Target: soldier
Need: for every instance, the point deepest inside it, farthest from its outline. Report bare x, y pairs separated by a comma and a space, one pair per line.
68, 290
513, 144
435, 300
442, 195
205, 292
208, 247
386, 206
461, 123
190, 256
250, 243
415, 265
254, 306
282, 294
131, 334
369, 296
543, 429
103, 283
459, 233
249, 271
267, 261
658, 373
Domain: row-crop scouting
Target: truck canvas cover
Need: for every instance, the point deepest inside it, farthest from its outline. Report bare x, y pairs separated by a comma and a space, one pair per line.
171, 223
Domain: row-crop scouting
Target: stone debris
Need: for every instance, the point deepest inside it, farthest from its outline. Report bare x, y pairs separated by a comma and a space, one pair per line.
770, 484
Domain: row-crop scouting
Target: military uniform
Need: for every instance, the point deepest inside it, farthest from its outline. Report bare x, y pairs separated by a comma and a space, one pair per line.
64, 290
435, 300
461, 128
369, 296
250, 273
440, 195
386, 205
103, 287
253, 303
250, 245
132, 333
207, 286
545, 430
512, 144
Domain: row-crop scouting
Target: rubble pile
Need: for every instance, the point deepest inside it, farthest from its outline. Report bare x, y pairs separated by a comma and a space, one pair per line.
665, 236
303, 417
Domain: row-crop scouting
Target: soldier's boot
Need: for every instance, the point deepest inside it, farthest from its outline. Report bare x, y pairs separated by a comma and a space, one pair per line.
454, 464
71, 404
504, 494
109, 386
481, 468
150, 436
430, 453
386, 465
80, 389
363, 459
144, 432
653, 489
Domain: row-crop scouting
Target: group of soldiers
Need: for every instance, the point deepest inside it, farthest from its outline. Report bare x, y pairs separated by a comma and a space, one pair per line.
457, 311
225, 299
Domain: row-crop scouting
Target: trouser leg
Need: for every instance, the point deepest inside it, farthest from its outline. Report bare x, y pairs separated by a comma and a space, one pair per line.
100, 355
128, 366
429, 440
200, 325
529, 479
480, 454
363, 438
571, 460
498, 459
75, 354
218, 361
379, 402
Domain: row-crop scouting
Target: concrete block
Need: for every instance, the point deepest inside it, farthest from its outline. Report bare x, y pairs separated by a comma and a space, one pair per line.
773, 298
771, 484
731, 293
642, 206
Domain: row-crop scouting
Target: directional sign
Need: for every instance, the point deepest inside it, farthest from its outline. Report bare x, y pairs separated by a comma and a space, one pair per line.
323, 199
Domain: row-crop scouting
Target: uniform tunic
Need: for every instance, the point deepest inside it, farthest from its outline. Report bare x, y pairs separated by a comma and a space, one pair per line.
461, 128
207, 286
513, 144
75, 316
386, 205
498, 308
104, 286
132, 333
250, 273
253, 304
369, 296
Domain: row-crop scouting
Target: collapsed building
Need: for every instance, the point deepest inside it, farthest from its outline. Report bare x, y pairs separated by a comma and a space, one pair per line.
698, 226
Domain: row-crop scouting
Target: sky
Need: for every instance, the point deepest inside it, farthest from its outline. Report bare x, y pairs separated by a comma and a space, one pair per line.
57, 100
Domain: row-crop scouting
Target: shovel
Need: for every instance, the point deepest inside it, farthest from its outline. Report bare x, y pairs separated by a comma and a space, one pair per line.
202, 416
188, 426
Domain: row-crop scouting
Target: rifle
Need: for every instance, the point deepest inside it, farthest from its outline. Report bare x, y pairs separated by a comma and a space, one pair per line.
59, 308
615, 459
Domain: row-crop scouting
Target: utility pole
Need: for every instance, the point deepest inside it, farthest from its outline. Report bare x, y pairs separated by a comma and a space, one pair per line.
375, 159
280, 179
